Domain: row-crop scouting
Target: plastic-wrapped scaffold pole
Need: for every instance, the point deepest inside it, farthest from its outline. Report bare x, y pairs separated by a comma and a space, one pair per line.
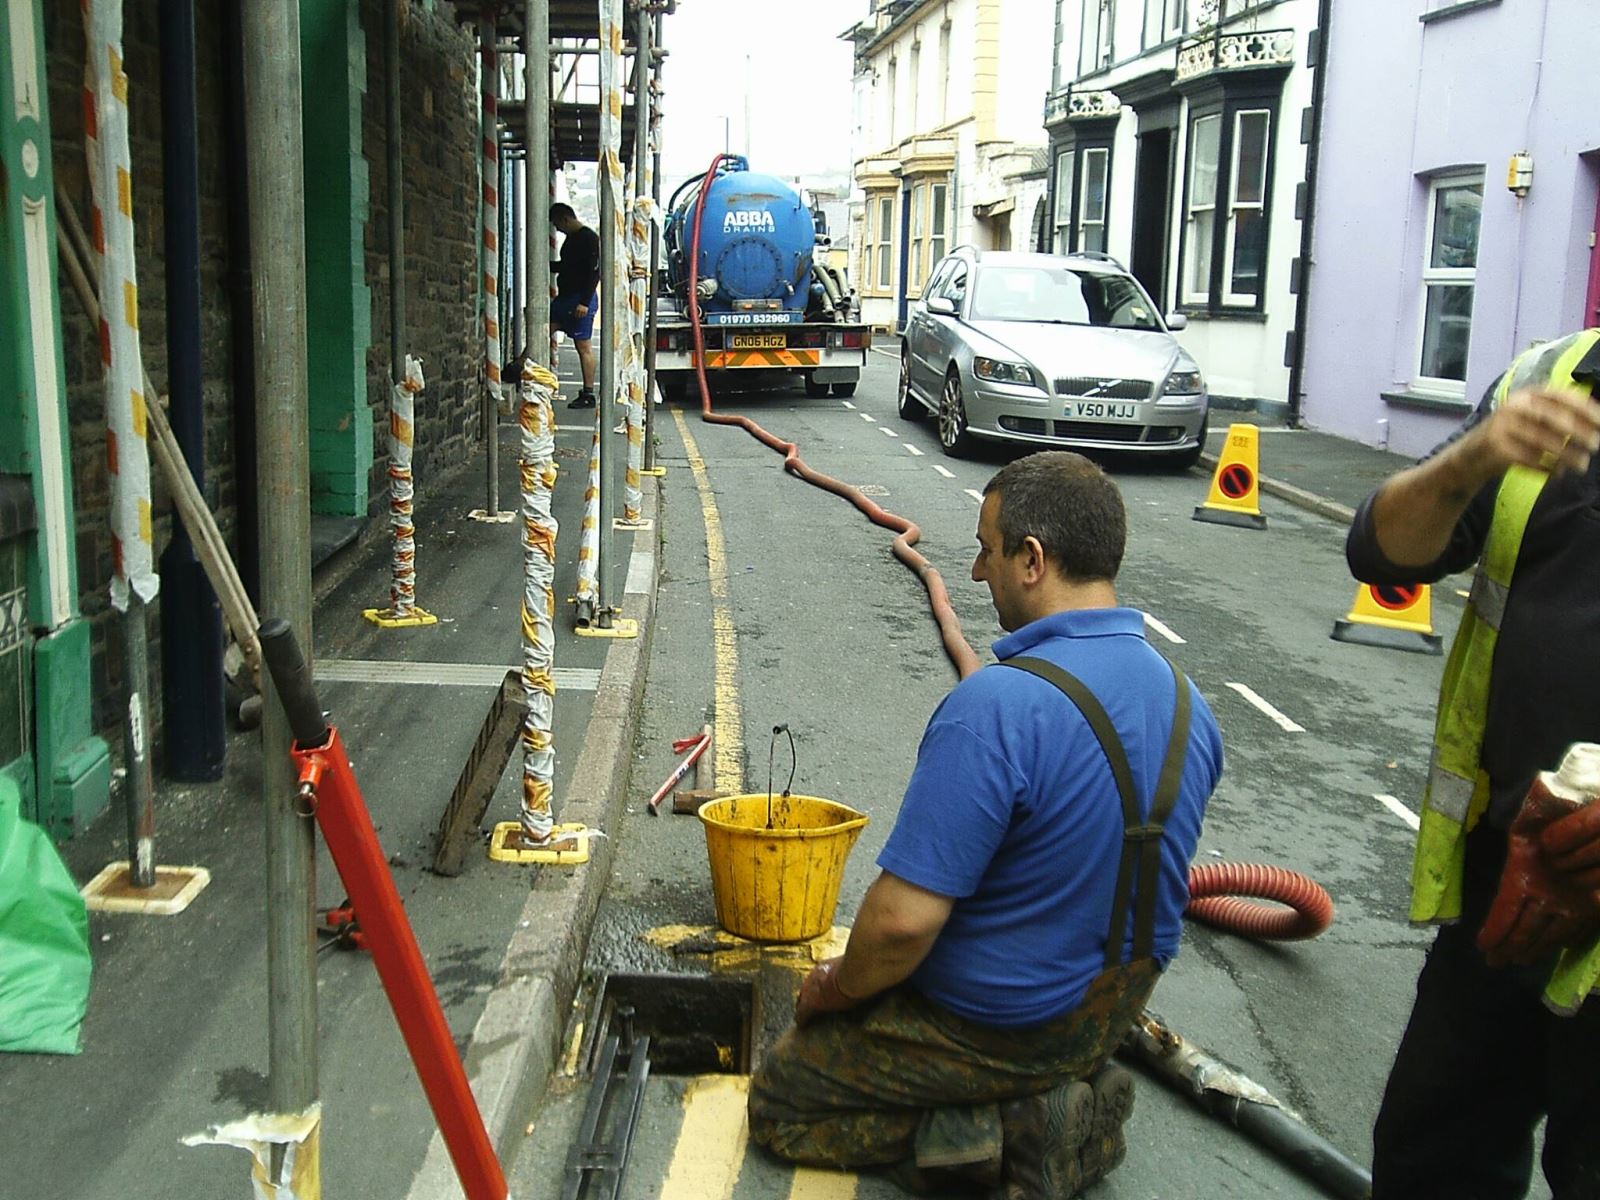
403, 609
535, 837
633, 372
490, 253
134, 582
613, 293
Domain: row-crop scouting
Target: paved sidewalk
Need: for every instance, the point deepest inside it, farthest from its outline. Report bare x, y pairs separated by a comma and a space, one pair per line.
1316, 471
176, 1035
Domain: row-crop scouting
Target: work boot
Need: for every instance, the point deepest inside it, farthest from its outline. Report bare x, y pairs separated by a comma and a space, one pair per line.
1105, 1147
1044, 1140
584, 399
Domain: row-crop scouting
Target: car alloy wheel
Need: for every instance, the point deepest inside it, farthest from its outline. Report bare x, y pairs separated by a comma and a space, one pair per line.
953, 434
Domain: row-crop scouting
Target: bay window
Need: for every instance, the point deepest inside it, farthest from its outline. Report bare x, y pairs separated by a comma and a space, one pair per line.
1227, 207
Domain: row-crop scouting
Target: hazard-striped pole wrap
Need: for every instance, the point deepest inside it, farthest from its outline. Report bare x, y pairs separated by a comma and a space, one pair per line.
402, 418
633, 371
105, 112
491, 207
537, 418
589, 531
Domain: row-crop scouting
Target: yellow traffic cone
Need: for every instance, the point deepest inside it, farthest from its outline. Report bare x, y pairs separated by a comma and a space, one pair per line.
1396, 617
1235, 497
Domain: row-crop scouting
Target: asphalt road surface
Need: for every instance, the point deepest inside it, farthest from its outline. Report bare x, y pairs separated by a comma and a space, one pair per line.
1326, 750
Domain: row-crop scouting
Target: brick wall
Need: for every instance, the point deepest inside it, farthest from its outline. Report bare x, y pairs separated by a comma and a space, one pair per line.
439, 148
440, 116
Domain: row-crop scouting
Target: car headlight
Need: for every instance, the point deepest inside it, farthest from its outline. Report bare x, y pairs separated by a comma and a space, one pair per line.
1183, 384
998, 371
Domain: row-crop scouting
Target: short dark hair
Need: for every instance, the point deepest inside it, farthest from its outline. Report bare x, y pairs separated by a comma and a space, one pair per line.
558, 210
1070, 505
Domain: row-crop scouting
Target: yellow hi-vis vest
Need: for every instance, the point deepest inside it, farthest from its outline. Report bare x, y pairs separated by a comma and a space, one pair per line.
1458, 787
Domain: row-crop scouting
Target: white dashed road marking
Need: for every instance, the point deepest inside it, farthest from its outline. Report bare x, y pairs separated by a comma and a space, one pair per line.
1398, 809
847, 404
975, 494
890, 432
866, 416
1163, 630
913, 450
945, 471
1276, 717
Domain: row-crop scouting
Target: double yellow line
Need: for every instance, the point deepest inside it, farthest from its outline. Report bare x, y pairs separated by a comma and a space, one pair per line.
727, 746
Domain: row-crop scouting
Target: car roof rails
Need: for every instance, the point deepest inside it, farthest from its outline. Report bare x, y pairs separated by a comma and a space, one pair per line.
1099, 256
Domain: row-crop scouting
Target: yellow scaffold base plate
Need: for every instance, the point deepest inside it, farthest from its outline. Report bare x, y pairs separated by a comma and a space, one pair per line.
621, 627
384, 618
499, 518
173, 891
658, 472
579, 854
642, 525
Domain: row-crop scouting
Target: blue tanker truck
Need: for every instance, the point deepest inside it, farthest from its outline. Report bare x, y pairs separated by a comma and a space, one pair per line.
769, 307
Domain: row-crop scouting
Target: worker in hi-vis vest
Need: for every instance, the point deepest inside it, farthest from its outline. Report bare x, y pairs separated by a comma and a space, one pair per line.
1504, 1031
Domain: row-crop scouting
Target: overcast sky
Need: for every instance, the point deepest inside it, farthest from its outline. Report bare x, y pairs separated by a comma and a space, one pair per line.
799, 74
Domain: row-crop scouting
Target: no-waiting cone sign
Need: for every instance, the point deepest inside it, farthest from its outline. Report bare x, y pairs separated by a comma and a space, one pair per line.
1235, 497
1394, 616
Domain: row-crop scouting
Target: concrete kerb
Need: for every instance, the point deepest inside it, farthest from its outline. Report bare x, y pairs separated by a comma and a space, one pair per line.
1299, 497
514, 1046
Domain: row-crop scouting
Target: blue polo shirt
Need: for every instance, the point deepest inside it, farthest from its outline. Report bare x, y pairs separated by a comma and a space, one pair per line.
1012, 810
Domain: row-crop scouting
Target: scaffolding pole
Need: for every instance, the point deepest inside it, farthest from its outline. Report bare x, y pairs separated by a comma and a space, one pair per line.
271, 37
536, 209
490, 74
613, 301
654, 146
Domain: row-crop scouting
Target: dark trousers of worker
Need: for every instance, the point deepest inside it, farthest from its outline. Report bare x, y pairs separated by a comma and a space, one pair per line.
903, 1082
1481, 1062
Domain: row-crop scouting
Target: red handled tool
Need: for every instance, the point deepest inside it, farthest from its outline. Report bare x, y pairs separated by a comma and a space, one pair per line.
328, 789
696, 746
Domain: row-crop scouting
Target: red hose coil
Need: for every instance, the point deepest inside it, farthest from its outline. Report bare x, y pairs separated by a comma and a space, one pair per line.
1214, 888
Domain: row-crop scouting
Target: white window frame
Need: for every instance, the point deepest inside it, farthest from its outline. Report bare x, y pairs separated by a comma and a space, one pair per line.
938, 222
1066, 163
1432, 277
893, 86
1106, 36
1261, 206
881, 274
1084, 216
918, 236
944, 72
1200, 297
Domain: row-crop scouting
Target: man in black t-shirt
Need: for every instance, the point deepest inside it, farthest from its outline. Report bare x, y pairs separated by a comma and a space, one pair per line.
577, 296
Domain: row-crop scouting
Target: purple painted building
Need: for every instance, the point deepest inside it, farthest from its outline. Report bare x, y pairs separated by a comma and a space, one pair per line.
1429, 272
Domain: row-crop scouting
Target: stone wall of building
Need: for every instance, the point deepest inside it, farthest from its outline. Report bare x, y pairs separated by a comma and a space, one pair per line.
440, 148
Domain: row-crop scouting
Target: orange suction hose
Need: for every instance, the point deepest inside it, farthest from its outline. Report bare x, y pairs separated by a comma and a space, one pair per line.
1213, 888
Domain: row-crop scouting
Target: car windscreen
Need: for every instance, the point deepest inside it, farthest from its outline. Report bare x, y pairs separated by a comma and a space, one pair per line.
1061, 295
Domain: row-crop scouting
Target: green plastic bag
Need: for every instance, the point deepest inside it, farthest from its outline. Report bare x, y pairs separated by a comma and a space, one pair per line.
44, 939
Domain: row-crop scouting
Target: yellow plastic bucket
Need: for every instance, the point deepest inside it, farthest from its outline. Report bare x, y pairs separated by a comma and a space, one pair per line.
778, 884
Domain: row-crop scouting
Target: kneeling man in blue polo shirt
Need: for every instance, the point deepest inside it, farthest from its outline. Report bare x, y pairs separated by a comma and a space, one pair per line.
1032, 889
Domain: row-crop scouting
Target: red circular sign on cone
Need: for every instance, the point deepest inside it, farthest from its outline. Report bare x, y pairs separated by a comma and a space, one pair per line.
1235, 481
1394, 597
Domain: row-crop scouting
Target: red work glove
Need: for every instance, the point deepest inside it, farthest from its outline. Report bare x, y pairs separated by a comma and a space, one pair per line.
820, 993
1571, 845
1543, 906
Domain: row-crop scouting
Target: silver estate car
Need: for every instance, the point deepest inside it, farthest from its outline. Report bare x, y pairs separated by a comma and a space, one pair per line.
1058, 350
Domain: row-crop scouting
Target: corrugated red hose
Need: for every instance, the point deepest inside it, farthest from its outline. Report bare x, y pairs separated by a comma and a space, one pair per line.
1213, 888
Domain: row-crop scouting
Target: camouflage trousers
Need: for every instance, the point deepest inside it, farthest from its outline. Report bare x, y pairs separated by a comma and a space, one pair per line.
903, 1082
